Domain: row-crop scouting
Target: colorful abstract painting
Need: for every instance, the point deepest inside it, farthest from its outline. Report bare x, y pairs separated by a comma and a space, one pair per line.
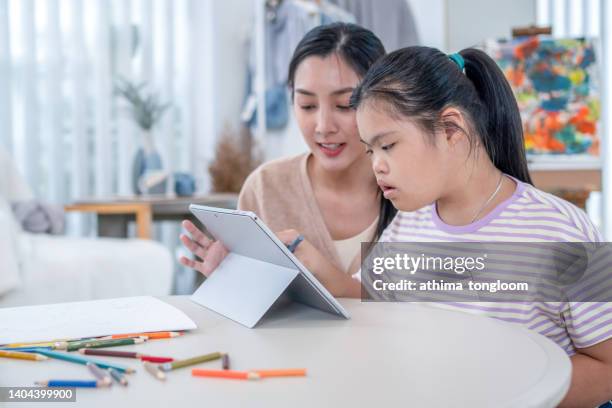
555, 84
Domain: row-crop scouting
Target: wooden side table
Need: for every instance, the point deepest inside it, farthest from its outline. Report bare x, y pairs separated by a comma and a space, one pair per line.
115, 213
141, 211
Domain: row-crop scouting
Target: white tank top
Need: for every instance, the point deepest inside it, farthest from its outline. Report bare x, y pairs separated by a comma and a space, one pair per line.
350, 247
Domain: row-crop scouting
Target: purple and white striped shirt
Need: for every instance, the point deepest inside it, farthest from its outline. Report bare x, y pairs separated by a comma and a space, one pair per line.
529, 215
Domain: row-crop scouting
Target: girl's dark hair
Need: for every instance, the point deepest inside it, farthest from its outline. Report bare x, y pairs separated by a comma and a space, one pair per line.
359, 48
421, 82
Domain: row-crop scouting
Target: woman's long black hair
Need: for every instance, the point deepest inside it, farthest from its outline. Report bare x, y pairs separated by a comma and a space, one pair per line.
359, 48
421, 82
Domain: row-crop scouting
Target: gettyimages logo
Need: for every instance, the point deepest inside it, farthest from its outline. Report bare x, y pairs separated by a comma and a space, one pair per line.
492, 272
412, 264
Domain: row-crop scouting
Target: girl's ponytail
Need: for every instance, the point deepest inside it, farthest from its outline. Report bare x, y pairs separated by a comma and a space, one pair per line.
420, 82
503, 129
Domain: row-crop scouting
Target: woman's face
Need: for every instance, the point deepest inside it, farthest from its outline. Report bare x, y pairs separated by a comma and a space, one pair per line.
322, 89
411, 167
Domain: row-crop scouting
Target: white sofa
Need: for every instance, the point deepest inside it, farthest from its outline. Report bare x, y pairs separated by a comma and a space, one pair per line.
39, 268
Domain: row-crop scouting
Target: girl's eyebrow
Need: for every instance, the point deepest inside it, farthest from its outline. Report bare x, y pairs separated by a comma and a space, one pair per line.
376, 139
343, 91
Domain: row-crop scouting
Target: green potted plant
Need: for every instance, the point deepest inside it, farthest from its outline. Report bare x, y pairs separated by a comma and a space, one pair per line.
146, 110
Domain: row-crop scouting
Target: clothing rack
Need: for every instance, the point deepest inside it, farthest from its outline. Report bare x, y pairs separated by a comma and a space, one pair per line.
262, 13
260, 66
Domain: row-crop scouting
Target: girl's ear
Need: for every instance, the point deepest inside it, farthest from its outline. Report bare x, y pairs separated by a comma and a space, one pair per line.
454, 125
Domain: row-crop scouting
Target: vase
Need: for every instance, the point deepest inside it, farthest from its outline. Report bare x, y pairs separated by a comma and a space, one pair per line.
148, 174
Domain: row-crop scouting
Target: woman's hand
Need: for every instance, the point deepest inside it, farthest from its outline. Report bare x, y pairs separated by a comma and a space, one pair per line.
211, 252
338, 283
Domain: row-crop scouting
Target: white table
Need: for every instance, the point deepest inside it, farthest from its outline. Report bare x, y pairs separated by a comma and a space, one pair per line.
388, 354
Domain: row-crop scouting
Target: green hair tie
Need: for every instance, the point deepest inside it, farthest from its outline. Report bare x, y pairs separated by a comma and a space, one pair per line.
457, 59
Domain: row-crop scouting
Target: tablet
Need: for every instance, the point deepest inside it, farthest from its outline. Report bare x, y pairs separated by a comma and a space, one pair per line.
253, 246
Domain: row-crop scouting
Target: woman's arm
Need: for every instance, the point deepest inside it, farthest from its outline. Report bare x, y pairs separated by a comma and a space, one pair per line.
338, 283
591, 376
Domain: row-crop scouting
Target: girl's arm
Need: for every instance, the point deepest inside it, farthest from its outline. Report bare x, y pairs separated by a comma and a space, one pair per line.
591, 376
338, 283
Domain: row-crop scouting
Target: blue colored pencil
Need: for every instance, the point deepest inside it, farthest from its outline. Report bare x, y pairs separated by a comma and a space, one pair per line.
71, 383
25, 348
74, 358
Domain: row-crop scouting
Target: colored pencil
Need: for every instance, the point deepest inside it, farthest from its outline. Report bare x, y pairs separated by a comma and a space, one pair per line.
52, 344
110, 353
153, 359
31, 348
22, 355
126, 354
291, 372
71, 383
117, 376
74, 358
235, 375
73, 346
190, 361
149, 335
100, 374
154, 371
225, 363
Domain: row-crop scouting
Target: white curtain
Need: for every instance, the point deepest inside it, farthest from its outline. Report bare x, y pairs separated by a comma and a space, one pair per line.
59, 116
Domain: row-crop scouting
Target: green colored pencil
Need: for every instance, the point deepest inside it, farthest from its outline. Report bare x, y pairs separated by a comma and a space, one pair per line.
75, 358
76, 345
190, 361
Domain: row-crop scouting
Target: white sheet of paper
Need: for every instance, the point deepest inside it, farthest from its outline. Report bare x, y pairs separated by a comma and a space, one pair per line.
90, 319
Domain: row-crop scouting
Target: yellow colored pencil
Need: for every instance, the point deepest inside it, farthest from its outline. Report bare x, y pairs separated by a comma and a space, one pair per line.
53, 344
22, 356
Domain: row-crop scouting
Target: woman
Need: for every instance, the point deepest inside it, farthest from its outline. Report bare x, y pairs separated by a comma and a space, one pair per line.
328, 194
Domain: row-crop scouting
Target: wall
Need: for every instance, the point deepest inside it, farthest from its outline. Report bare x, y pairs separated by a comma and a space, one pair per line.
471, 21
218, 74
445, 24
234, 21
430, 20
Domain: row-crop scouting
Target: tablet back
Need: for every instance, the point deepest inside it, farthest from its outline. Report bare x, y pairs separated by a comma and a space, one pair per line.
258, 270
242, 235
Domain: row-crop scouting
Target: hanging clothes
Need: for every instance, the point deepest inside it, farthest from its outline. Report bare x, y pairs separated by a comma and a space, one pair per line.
391, 20
331, 13
286, 27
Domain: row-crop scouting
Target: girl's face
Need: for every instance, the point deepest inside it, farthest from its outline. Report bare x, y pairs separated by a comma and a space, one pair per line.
410, 166
322, 89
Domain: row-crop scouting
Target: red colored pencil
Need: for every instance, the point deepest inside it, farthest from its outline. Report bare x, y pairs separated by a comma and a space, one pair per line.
154, 359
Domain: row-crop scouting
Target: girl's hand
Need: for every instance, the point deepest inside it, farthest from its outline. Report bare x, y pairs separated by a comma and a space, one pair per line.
211, 252
338, 283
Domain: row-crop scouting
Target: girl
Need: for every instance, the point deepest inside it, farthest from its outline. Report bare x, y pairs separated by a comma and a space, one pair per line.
321, 193
445, 138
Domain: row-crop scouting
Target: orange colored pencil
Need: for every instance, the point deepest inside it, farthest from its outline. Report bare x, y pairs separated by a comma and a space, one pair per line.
292, 372
236, 375
150, 335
